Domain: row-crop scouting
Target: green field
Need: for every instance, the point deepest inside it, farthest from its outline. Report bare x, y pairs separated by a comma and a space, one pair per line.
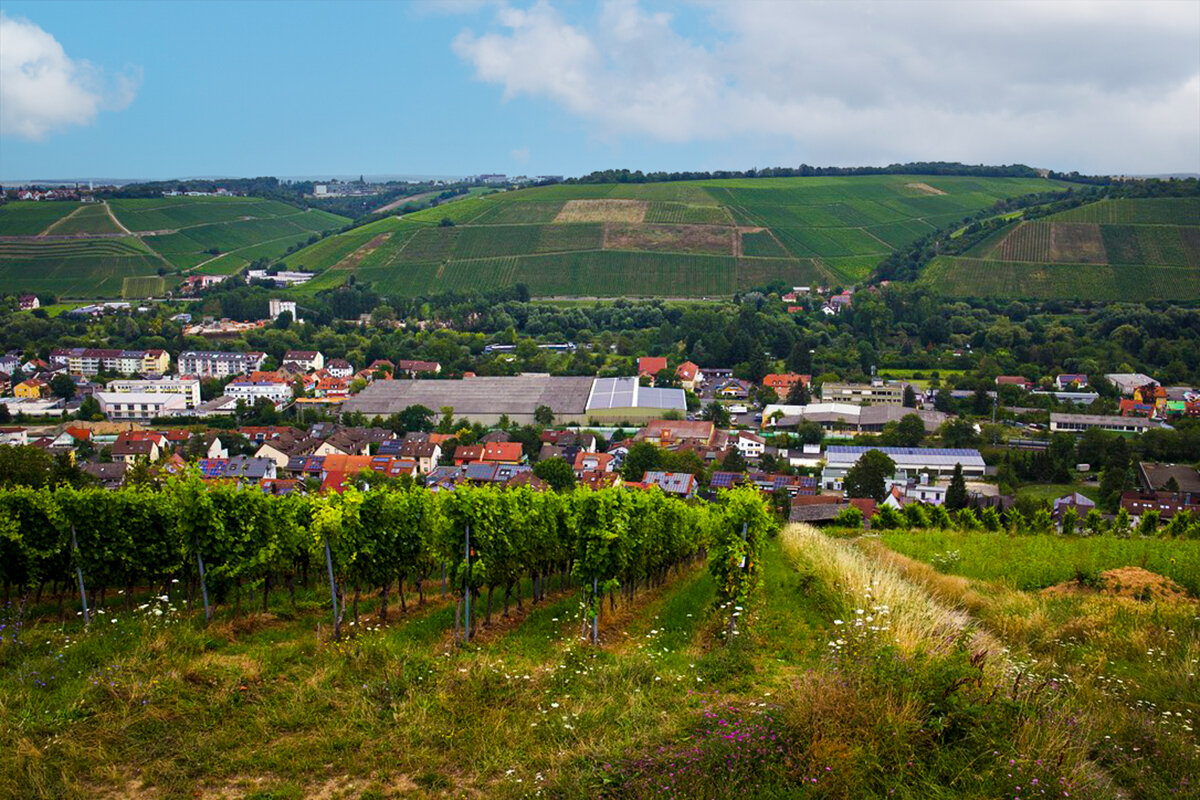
213, 235
75, 268
145, 286
1109, 250
90, 218
29, 217
683, 239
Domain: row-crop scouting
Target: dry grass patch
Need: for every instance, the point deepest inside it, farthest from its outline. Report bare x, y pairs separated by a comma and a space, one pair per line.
603, 211
354, 259
1077, 243
924, 187
708, 239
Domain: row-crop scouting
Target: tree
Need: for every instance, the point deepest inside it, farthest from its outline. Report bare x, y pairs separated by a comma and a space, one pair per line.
24, 465
956, 492
62, 386
910, 397
417, 418
665, 378
717, 414
867, 478
89, 410
643, 457
799, 395
446, 222
910, 430
959, 433
733, 461
556, 472
543, 415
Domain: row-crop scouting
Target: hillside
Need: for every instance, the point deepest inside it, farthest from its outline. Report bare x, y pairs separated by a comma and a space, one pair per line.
687, 238
1124, 249
120, 247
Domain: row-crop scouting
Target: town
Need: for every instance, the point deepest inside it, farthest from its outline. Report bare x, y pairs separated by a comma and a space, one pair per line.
312, 422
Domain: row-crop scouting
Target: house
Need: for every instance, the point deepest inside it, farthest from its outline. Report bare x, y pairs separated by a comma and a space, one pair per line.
28, 302
683, 484
1014, 380
187, 388
1071, 382
425, 455
110, 475
269, 386
140, 405
1130, 407
1075, 500
31, 389
750, 445
1155, 477
283, 449
598, 479
593, 462
1167, 504
1152, 395
465, 454
394, 467
1127, 382
503, 452
732, 389
414, 368
339, 368
667, 432
311, 360
783, 383
338, 471
650, 366
689, 375
876, 392
17, 437
129, 451
214, 364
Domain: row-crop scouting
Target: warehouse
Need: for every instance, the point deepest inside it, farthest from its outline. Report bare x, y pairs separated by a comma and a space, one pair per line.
482, 400
582, 400
620, 400
911, 462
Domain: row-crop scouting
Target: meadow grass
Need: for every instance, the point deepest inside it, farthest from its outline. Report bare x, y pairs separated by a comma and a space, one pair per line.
811, 699
1039, 561
1130, 665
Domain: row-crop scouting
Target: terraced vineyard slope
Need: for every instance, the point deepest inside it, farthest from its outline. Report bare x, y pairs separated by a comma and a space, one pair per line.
1126, 249
680, 239
88, 250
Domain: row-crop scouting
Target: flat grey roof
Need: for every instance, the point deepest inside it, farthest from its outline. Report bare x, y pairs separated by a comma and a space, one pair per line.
1101, 419
627, 393
837, 456
521, 394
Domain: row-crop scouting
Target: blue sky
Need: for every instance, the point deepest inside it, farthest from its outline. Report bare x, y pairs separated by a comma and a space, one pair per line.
168, 89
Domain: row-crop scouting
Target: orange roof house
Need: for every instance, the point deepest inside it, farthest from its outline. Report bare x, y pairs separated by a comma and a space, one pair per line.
503, 452
649, 366
783, 382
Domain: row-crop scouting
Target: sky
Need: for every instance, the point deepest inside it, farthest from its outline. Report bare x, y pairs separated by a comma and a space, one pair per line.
562, 87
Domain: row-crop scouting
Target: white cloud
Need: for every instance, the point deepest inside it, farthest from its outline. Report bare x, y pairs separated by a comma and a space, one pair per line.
43, 90
519, 154
1093, 85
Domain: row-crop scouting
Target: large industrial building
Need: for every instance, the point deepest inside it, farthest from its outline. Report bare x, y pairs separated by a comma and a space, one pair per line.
572, 399
911, 463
